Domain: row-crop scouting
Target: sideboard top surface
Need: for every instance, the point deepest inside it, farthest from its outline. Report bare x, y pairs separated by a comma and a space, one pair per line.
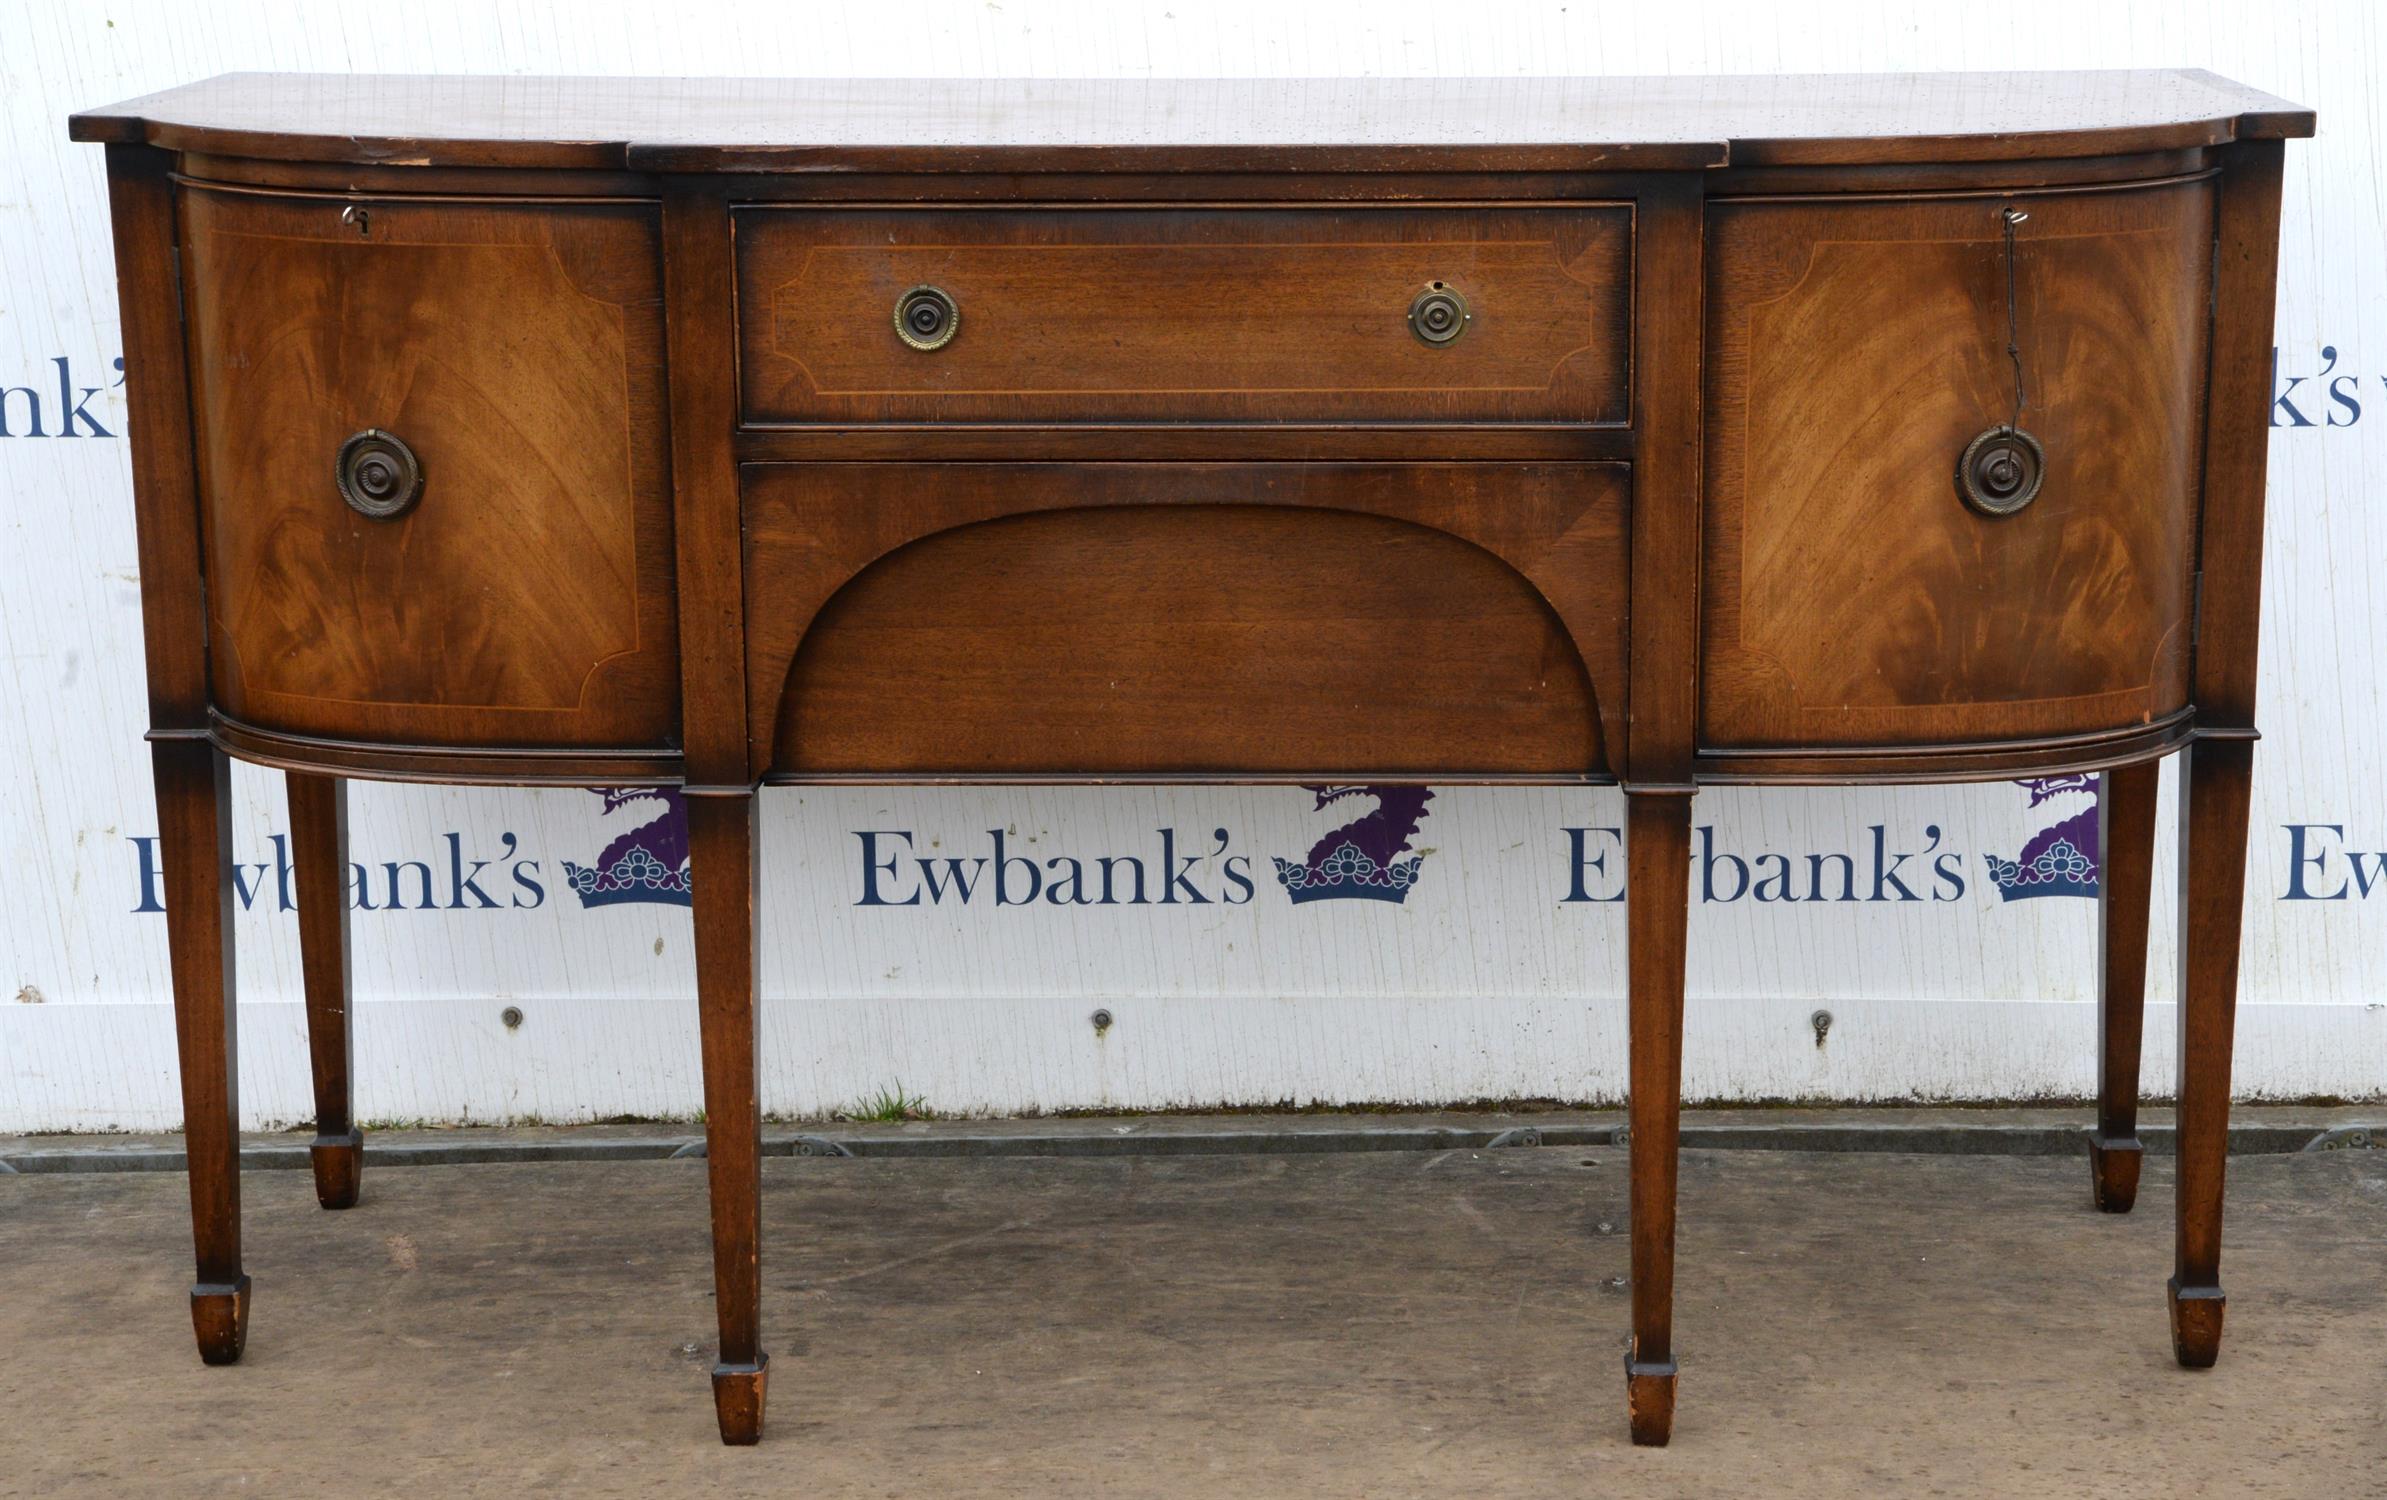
1367, 124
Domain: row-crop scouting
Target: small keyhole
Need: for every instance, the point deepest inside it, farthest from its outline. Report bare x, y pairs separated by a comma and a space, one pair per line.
362, 218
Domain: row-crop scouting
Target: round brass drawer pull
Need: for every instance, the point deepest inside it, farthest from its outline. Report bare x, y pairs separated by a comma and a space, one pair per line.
378, 475
926, 318
1438, 315
2000, 471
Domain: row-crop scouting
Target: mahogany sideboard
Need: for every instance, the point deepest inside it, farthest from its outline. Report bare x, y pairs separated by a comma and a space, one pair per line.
1649, 432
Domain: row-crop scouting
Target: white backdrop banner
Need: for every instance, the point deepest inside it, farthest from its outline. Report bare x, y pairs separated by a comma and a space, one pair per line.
959, 942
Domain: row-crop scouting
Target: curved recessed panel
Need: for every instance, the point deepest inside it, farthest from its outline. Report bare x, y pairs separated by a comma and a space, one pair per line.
1174, 639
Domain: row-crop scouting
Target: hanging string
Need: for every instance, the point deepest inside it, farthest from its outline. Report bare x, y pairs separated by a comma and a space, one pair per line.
2012, 217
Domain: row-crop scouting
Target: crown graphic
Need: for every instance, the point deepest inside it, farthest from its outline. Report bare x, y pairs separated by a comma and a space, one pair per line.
2061, 868
1368, 858
635, 876
648, 862
1349, 872
2059, 860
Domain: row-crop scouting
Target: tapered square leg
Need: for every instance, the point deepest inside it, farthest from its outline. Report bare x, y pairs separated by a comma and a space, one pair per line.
1657, 900
194, 810
2125, 887
2218, 778
723, 854
319, 858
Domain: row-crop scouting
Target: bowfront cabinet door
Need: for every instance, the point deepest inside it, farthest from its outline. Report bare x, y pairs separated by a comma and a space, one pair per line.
434, 470
1856, 348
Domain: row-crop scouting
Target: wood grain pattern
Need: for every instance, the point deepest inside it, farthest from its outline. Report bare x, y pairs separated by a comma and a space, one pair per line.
1271, 124
1199, 184
194, 807
319, 853
725, 852
1657, 904
1188, 442
702, 313
1670, 286
2217, 779
1971, 760
2217, 775
2238, 437
1146, 618
1670, 252
2125, 890
482, 765
158, 427
527, 598
1079, 315
191, 777
1855, 349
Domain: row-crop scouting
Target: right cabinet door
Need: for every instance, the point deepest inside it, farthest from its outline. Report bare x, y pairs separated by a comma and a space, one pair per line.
1855, 348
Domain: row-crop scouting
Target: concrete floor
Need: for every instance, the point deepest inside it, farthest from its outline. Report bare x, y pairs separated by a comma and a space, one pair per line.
1446, 1324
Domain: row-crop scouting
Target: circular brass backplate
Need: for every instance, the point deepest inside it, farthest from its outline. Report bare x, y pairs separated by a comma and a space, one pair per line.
2000, 471
1438, 315
378, 475
926, 318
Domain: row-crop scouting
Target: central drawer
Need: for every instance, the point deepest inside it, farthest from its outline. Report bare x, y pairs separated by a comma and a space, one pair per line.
1069, 315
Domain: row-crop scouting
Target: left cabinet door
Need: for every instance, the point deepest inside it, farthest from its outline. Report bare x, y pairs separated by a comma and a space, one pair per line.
508, 353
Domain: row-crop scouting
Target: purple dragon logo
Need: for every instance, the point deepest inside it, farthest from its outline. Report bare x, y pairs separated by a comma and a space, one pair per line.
2061, 859
648, 863
1362, 859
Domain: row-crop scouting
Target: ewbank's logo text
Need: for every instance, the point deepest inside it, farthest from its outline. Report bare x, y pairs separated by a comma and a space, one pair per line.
1884, 869
452, 881
895, 872
55, 406
2322, 868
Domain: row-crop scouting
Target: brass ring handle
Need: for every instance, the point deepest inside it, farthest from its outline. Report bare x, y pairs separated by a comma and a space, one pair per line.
926, 317
1438, 315
378, 475
2001, 470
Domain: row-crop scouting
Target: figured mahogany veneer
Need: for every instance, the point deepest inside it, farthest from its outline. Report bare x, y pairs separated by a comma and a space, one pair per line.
518, 346
1187, 497
1853, 349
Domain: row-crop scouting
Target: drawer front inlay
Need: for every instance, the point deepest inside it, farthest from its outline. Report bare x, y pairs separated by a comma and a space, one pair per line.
1196, 314
521, 596
1852, 596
